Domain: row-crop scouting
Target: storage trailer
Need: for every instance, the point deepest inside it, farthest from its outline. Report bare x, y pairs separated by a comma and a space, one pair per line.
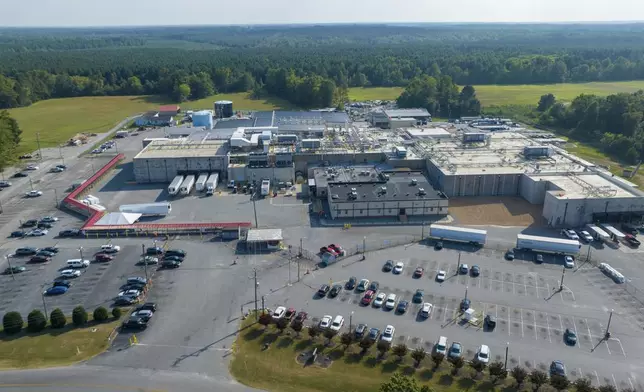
614, 234
201, 182
187, 184
211, 184
266, 187
148, 209
174, 186
597, 233
547, 244
460, 234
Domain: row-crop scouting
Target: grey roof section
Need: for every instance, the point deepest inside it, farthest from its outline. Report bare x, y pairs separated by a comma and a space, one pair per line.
262, 235
399, 188
407, 113
275, 118
336, 175
236, 123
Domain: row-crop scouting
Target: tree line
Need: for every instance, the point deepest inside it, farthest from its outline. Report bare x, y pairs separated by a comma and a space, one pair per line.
9, 139
440, 96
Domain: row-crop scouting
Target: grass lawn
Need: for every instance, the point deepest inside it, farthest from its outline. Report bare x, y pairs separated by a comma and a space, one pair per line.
496, 95
276, 369
57, 120
54, 347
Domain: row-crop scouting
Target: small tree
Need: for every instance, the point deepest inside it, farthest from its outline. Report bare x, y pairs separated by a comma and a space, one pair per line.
116, 313
12, 323
365, 344
519, 374
400, 383
559, 382
329, 334
437, 358
79, 316
538, 378
583, 385
265, 319
478, 366
607, 388
497, 371
457, 364
418, 355
383, 347
57, 318
346, 339
400, 350
100, 314
297, 327
282, 324
36, 321
313, 333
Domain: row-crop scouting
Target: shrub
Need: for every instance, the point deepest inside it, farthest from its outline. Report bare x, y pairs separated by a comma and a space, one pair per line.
79, 316
400, 350
437, 358
57, 319
101, 314
36, 321
559, 382
365, 344
457, 363
346, 339
265, 319
12, 323
418, 355
330, 334
313, 332
538, 378
497, 371
607, 388
519, 374
116, 313
297, 327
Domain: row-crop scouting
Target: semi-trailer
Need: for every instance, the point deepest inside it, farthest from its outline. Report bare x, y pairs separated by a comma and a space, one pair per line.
211, 183
547, 244
187, 184
460, 234
200, 185
148, 209
174, 186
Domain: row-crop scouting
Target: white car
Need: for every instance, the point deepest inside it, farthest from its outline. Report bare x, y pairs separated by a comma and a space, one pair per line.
37, 232
32, 167
70, 273
56, 170
440, 276
398, 268
144, 314
570, 234
380, 299
388, 333
586, 236
391, 301
569, 262
337, 323
49, 219
326, 322
426, 310
130, 293
278, 313
33, 194
483, 354
110, 248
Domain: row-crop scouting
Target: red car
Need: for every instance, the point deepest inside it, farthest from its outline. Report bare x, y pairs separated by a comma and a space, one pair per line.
368, 297
335, 247
418, 272
103, 257
300, 317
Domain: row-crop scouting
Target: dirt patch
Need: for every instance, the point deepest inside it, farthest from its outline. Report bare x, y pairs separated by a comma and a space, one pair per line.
499, 211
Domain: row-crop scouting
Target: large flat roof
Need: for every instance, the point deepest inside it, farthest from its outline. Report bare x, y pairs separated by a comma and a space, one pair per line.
581, 186
399, 187
183, 149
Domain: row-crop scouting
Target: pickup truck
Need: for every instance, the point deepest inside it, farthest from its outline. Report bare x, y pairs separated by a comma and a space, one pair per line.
632, 241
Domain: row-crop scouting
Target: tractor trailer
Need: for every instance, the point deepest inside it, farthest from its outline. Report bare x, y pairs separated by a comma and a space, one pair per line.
460, 234
187, 184
201, 182
211, 184
147, 209
174, 186
547, 244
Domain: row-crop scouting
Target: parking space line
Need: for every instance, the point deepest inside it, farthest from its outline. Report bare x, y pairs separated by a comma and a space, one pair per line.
574, 324
509, 322
522, 328
607, 348
534, 321
548, 287
620, 345
525, 286
445, 314
597, 376
548, 323
631, 382
614, 382
581, 374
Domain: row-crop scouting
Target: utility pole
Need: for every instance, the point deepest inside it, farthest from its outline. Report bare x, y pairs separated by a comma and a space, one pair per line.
588, 255
422, 232
289, 271
38, 141
31, 184
610, 317
364, 245
466, 287
300, 254
145, 262
263, 307
44, 304
10, 268
458, 263
351, 321
256, 284
507, 347
563, 273
80, 249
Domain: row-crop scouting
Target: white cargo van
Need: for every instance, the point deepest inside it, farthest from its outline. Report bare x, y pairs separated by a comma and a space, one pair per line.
78, 263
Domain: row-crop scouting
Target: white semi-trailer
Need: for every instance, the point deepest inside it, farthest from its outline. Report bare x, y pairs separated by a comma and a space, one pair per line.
148, 209
174, 186
201, 182
547, 244
266, 187
187, 184
597, 233
461, 234
613, 232
211, 184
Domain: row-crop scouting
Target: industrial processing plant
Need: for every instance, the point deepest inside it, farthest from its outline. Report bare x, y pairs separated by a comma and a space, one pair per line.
468, 159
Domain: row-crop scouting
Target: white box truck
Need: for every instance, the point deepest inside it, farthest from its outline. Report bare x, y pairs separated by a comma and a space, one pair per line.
201, 182
266, 187
211, 184
187, 184
460, 234
597, 233
148, 209
547, 244
174, 186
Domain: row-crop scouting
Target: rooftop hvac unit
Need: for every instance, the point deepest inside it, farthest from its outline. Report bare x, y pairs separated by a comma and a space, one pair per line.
383, 189
353, 195
421, 191
354, 190
414, 181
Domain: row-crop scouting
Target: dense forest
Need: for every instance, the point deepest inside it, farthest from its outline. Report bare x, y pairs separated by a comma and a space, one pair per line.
307, 65
9, 139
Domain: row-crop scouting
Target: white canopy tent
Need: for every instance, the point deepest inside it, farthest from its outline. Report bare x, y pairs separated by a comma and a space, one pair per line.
118, 218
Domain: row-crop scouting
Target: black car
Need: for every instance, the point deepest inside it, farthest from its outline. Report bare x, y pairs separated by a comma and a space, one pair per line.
17, 234
465, 304
373, 334
361, 329
438, 245
69, 233
170, 264
148, 306
133, 286
509, 255
490, 322
475, 270
351, 283
402, 306
62, 282
45, 225
154, 251
45, 253
176, 252
335, 290
26, 251
323, 290
373, 286
173, 258
137, 279
30, 223
124, 301
570, 337
389, 265
62, 166
14, 270
52, 249
20, 174
135, 323
39, 259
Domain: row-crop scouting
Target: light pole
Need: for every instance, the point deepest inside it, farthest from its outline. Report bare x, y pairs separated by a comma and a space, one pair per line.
507, 348
458, 263
351, 321
31, 184
145, 262
253, 196
364, 245
8, 257
588, 255
466, 287
256, 284
289, 271
563, 273
80, 249
44, 304
422, 231
610, 317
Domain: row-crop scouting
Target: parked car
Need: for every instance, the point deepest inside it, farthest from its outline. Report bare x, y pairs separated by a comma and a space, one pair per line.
632, 241
626, 228
39, 259
418, 296
45, 253
149, 260
37, 232
389, 265
173, 258
388, 333
569, 262
124, 301
33, 193
32, 167
170, 264
418, 273
278, 313
367, 298
557, 368
301, 317
148, 306
102, 257
490, 322
5, 184
398, 268
323, 290
483, 354
20, 174
463, 269
132, 293
30, 223
337, 323
56, 169
154, 251
14, 270
56, 290
290, 313
402, 306
570, 337
62, 282
379, 300
570, 233
465, 304
26, 251
137, 279
70, 233
70, 273
438, 245
351, 283
426, 309
45, 225
135, 322
374, 286
440, 276
373, 334
455, 351
325, 322
585, 236
390, 303
144, 314
539, 258
363, 285
509, 255
110, 248
360, 331
475, 270
176, 252
52, 249
335, 290
17, 234
49, 219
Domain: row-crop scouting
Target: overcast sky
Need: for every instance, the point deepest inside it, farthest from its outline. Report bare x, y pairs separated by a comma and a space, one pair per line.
208, 12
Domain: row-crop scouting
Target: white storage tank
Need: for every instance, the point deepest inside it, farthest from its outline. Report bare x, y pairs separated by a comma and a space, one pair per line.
202, 118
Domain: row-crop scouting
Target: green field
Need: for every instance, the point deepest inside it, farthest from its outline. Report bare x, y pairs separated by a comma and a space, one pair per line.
57, 120
496, 95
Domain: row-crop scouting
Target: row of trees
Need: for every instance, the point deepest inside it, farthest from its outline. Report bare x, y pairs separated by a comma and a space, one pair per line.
13, 322
9, 138
440, 96
614, 123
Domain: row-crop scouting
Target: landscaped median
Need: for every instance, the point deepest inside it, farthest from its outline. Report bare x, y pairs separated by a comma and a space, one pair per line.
36, 342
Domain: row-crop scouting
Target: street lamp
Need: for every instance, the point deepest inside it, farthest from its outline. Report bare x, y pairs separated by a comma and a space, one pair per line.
80, 249
458, 263
10, 267
507, 348
466, 287
563, 273
351, 321
44, 304
610, 317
